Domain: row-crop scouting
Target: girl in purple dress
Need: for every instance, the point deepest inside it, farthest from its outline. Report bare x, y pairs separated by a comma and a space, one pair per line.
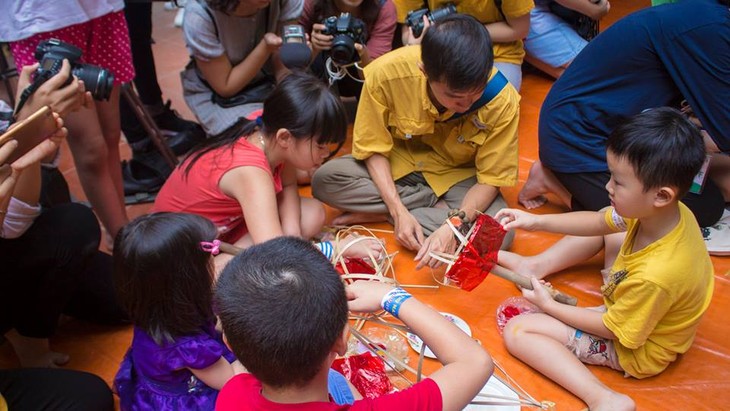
163, 275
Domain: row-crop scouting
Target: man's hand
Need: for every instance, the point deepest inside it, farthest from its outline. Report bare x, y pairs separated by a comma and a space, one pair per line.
408, 230
442, 241
62, 99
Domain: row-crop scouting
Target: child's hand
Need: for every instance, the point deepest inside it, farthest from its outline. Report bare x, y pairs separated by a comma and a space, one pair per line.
366, 296
539, 295
362, 247
511, 218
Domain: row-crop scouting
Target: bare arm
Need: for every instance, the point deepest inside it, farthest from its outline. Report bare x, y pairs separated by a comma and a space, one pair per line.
467, 366
290, 209
408, 231
226, 79
215, 376
579, 223
515, 28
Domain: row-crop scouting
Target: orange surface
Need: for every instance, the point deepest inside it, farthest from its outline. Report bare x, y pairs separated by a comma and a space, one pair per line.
698, 380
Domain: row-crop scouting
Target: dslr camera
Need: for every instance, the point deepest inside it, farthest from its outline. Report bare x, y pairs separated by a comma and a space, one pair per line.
50, 55
414, 18
347, 31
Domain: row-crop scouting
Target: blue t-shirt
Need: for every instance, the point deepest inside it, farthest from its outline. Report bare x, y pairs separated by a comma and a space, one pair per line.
652, 58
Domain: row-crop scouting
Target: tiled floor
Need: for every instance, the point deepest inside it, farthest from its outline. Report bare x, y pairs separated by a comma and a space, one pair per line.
699, 378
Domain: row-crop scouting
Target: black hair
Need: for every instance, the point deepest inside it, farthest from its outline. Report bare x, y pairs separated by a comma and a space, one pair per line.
457, 51
663, 147
283, 307
225, 6
162, 276
369, 11
300, 103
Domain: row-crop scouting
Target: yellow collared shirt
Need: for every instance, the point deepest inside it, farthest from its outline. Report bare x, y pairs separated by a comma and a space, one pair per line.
485, 11
396, 118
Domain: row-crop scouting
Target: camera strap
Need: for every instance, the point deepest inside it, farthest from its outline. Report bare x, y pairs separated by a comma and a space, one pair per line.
494, 87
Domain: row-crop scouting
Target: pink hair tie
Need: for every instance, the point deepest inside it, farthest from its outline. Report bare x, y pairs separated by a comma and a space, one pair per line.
213, 247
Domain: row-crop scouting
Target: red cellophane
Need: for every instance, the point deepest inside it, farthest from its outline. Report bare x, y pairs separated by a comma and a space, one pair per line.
366, 372
478, 255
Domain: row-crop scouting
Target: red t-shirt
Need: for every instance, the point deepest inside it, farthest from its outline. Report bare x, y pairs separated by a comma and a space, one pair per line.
199, 191
243, 392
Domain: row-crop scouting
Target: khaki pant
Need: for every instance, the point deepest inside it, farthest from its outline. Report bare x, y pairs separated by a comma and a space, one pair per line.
344, 183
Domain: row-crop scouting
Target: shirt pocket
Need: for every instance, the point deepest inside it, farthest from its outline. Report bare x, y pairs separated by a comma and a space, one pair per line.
459, 147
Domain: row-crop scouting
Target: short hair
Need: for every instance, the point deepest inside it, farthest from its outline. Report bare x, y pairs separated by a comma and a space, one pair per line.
162, 276
283, 307
457, 50
663, 147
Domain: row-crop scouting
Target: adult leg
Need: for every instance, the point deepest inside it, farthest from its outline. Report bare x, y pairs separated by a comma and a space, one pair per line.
587, 190
91, 154
344, 183
54, 389
552, 44
44, 267
540, 341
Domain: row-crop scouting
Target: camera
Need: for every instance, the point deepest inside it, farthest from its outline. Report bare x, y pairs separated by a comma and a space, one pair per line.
347, 31
50, 55
293, 33
414, 18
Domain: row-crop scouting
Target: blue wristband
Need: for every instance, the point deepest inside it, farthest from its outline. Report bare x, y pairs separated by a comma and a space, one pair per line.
326, 248
393, 300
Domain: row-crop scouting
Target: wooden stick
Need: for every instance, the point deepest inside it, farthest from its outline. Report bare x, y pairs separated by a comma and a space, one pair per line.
230, 248
524, 282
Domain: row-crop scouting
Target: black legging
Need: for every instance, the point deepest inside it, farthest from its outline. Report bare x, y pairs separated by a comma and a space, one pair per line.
54, 389
588, 191
139, 21
54, 267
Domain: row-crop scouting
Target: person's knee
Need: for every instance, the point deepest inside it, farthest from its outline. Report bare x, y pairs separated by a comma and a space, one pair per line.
324, 178
515, 332
313, 217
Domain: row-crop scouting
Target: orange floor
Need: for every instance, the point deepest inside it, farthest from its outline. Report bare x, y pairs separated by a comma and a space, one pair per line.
699, 380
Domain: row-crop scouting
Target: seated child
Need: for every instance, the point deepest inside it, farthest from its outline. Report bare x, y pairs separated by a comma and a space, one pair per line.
284, 313
163, 272
660, 279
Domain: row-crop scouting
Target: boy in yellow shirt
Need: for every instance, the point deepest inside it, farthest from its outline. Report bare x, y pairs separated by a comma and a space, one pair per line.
660, 279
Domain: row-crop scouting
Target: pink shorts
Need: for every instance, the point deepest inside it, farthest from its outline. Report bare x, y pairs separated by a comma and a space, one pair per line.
104, 42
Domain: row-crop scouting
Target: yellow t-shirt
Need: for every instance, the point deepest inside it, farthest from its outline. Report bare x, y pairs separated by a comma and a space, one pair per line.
3, 404
485, 11
396, 118
655, 309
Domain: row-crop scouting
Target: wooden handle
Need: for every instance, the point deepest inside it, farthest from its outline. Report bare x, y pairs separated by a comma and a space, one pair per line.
524, 282
230, 248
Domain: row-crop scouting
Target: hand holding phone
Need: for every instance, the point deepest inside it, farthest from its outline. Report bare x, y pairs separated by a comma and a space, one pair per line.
32, 131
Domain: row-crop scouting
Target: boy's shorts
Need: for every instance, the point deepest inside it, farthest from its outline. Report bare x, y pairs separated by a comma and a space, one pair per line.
593, 350
104, 42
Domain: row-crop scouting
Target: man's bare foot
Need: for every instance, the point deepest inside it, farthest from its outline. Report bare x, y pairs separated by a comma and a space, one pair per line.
613, 401
35, 352
532, 194
359, 218
527, 266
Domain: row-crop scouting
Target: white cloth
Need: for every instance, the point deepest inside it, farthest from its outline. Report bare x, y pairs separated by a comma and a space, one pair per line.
19, 218
21, 19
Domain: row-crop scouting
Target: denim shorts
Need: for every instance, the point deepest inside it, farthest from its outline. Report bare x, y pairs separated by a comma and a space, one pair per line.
552, 40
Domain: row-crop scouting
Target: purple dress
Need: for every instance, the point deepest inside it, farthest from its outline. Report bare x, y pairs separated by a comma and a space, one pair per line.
154, 377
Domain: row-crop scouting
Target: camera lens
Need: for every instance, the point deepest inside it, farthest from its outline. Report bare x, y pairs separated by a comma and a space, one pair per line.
343, 49
97, 80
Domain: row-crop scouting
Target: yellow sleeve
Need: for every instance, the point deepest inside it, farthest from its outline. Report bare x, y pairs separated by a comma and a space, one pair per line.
402, 7
614, 221
496, 160
517, 8
370, 133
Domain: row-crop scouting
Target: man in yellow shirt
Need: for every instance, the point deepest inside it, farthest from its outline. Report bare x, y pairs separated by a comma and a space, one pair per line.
508, 22
413, 157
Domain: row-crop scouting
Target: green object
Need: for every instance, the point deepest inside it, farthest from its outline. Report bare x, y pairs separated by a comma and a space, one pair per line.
660, 2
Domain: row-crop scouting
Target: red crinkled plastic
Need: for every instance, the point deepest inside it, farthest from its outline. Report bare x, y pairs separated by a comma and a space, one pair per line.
354, 265
479, 254
366, 372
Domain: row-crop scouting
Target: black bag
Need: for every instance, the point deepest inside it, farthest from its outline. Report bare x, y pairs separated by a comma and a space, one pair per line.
253, 93
585, 26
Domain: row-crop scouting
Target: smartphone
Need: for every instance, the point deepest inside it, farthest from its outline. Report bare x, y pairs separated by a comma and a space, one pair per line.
30, 132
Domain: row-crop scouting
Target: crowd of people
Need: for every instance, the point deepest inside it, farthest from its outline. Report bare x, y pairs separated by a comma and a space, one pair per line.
631, 141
